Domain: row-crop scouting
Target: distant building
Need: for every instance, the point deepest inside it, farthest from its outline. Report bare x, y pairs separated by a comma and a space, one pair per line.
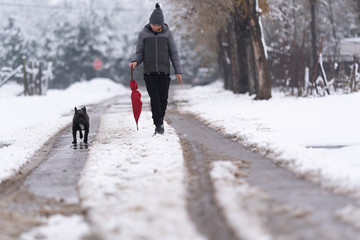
350, 47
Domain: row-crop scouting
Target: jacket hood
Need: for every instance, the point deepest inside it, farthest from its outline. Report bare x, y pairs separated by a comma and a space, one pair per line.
147, 28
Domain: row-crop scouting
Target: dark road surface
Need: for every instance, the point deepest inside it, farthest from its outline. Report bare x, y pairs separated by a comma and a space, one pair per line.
283, 187
57, 176
51, 187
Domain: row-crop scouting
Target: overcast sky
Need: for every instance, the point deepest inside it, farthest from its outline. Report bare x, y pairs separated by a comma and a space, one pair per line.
133, 14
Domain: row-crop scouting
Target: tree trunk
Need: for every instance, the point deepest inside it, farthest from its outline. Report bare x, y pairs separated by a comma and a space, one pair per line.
313, 31
234, 62
26, 86
242, 33
293, 64
251, 67
40, 80
333, 26
228, 55
31, 80
302, 70
357, 7
250, 61
223, 60
264, 80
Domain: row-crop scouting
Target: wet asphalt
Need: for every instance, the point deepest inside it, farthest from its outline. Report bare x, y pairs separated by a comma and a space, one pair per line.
57, 176
49, 185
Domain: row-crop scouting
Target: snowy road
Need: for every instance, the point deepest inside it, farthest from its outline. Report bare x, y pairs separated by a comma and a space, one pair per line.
278, 204
50, 190
191, 183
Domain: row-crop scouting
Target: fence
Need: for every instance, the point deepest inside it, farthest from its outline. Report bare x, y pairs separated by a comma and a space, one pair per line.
34, 75
292, 72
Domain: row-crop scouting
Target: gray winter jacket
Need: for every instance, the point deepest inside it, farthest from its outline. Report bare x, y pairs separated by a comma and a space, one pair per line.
155, 50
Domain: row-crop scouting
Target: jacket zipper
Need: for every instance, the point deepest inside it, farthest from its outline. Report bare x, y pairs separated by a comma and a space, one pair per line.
156, 53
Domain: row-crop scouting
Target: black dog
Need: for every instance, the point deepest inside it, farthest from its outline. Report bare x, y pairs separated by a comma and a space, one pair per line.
80, 123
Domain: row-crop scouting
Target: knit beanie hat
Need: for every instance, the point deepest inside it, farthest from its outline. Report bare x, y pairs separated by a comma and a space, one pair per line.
157, 16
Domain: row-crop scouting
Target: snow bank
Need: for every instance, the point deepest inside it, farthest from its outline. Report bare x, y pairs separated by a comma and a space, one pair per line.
10, 89
316, 137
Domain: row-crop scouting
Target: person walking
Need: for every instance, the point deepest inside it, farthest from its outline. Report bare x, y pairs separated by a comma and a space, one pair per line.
155, 48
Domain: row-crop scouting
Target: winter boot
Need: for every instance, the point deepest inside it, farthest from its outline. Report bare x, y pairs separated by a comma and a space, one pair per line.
159, 129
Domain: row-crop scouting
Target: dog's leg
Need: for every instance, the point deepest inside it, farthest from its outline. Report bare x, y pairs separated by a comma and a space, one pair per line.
81, 134
74, 136
86, 135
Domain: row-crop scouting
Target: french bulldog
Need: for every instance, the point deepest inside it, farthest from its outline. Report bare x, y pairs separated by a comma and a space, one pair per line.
80, 123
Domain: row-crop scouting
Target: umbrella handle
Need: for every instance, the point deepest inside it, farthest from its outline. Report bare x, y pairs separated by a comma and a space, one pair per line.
132, 75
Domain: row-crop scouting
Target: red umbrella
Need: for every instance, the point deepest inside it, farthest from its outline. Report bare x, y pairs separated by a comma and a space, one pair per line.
135, 99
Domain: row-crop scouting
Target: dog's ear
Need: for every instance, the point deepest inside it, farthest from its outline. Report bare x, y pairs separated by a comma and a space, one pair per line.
84, 108
75, 110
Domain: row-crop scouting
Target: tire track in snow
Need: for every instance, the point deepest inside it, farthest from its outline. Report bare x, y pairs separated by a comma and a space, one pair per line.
294, 208
202, 204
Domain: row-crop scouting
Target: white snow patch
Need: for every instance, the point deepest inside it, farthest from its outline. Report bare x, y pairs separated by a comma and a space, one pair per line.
10, 90
59, 227
233, 194
133, 182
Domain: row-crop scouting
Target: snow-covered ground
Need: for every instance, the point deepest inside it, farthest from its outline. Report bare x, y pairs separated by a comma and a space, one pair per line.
28, 122
318, 137
133, 181
59, 227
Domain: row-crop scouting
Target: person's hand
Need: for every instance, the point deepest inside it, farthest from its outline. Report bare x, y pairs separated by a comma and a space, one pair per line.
133, 65
178, 78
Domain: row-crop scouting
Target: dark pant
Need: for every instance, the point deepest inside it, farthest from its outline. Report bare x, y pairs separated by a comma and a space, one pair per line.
157, 86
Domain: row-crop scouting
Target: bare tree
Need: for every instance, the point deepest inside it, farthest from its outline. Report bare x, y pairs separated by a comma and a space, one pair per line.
313, 30
247, 68
234, 24
331, 17
357, 8
264, 80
